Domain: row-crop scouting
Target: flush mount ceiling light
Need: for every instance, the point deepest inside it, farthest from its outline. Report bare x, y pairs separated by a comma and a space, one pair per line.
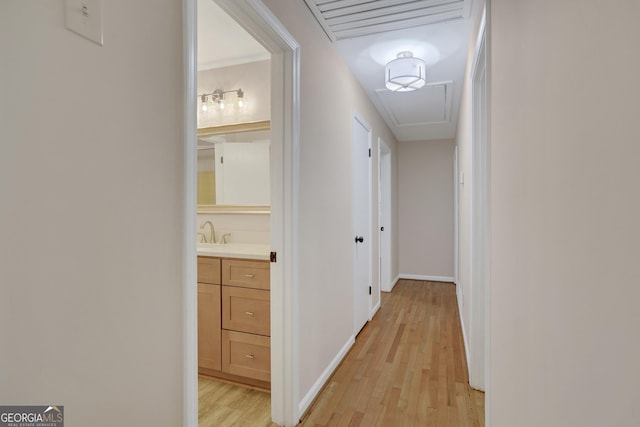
405, 73
217, 98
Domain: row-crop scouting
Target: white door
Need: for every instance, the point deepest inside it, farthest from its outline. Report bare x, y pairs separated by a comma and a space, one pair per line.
361, 238
384, 197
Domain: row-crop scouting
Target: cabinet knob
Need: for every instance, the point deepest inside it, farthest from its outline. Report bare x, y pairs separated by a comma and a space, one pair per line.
249, 313
250, 276
249, 356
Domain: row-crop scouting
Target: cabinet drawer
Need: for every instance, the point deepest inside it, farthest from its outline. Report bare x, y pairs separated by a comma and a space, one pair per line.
208, 270
246, 274
246, 355
246, 310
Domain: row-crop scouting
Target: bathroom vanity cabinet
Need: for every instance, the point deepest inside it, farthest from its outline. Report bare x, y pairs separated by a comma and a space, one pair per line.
234, 320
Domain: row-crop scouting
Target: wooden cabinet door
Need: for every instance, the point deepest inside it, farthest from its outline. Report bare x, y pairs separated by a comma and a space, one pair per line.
208, 270
209, 319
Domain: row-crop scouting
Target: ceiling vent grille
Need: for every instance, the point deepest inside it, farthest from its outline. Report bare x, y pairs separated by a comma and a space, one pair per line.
344, 19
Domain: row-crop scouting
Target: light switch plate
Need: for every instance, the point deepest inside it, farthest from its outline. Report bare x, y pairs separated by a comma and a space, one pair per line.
84, 17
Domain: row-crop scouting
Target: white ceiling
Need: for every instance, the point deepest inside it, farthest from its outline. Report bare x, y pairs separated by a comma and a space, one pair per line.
215, 29
368, 34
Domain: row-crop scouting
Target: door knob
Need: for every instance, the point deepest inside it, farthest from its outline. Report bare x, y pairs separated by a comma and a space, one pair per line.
359, 239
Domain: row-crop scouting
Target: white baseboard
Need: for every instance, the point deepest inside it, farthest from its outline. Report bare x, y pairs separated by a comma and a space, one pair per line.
317, 386
374, 310
427, 278
464, 329
394, 283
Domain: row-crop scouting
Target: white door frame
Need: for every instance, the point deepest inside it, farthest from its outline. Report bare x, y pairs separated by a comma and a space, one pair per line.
384, 214
260, 22
456, 215
480, 224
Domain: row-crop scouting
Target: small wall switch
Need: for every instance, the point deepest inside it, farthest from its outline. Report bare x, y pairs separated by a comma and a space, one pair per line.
84, 17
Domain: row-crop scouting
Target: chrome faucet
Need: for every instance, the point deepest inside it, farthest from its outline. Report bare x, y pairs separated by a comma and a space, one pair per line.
224, 240
212, 234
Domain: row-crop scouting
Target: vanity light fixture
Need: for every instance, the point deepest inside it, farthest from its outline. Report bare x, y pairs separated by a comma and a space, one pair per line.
405, 73
217, 98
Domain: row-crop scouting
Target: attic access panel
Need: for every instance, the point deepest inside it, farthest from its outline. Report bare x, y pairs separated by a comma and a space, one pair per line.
428, 105
344, 19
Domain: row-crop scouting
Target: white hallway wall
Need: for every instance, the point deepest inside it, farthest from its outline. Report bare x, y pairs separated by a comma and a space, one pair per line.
91, 222
425, 208
565, 100
329, 95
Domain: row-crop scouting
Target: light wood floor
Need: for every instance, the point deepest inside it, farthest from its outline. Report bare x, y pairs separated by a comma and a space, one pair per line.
225, 405
407, 368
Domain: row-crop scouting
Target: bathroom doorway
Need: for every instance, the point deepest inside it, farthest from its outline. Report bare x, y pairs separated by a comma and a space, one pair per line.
283, 51
233, 90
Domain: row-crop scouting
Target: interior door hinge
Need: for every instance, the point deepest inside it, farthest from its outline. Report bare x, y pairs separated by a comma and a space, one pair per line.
369, 290
369, 152
221, 159
273, 257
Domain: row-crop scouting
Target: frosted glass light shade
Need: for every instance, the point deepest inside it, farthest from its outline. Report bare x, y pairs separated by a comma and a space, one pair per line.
405, 73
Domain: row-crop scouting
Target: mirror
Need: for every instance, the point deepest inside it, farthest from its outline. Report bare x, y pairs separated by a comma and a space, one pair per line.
234, 168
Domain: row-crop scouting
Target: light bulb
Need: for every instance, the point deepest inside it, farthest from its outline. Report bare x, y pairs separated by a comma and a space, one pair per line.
204, 108
221, 104
203, 99
240, 98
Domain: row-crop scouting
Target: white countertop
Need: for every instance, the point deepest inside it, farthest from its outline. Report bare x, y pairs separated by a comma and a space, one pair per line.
235, 250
